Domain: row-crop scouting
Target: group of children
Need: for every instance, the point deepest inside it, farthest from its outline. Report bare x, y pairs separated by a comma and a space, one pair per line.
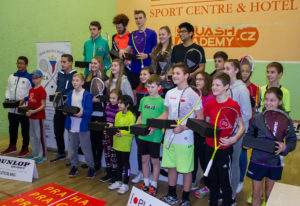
157, 91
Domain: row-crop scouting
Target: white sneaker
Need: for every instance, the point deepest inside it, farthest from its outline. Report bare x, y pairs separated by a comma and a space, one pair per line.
239, 187
139, 177
115, 185
123, 189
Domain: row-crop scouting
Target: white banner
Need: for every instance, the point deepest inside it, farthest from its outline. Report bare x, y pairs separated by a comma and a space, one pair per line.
138, 197
48, 61
17, 169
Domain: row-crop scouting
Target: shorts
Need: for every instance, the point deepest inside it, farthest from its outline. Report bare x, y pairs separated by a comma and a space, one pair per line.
178, 156
258, 172
134, 79
149, 148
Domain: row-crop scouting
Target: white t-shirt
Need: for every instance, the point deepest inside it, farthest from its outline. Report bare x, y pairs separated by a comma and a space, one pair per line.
188, 101
77, 102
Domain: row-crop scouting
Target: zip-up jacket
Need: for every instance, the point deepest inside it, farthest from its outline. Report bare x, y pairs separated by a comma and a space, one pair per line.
258, 129
18, 87
87, 110
64, 82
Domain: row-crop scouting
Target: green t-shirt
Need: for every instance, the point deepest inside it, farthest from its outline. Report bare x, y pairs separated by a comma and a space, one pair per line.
123, 143
286, 100
152, 108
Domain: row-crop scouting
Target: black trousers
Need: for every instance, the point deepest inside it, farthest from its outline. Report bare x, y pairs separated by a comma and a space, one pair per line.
59, 129
199, 154
123, 162
96, 141
219, 176
14, 120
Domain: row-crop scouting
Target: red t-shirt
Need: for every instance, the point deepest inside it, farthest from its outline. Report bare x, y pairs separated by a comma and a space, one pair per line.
35, 97
226, 119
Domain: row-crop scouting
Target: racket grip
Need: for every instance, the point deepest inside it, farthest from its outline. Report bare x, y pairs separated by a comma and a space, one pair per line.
208, 168
170, 141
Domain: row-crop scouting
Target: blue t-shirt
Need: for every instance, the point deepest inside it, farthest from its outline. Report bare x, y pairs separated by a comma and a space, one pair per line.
139, 41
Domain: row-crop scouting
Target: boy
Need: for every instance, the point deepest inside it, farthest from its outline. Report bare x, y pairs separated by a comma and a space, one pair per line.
141, 47
37, 99
186, 32
220, 58
17, 88
274, 73
151, 106
64, 86
96, 46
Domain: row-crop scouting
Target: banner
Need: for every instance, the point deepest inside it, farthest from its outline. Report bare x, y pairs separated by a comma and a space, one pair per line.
265, 29
48, 61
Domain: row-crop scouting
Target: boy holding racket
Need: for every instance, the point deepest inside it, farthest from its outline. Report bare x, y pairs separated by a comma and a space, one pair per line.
151, 106
219, 174
181, 103
142, 41
180, 52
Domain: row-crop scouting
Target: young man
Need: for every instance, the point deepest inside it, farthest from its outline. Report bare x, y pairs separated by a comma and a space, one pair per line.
274, 73
64, 86
151, 106
37, 100
96, 46
17, 88
142, 42
220, 58
186, 32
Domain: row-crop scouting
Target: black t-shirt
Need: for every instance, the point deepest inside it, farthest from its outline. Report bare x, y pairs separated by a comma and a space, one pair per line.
179, 53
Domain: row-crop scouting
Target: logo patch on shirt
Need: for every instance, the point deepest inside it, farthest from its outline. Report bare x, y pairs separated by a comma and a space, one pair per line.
147, 106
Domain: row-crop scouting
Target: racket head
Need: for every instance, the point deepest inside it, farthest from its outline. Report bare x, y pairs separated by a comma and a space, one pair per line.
246, 64
97, 87
161, 61
44, 66
193, 57
139, 41
58, 101
226, 122
277, 122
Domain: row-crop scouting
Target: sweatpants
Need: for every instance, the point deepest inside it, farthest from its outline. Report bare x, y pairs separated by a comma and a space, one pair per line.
82, 138
37, 138
219, 176
199, 154
123, 162
14, 120
235, 165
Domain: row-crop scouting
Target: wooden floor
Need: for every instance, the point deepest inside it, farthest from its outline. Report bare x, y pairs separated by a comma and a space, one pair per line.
57, 173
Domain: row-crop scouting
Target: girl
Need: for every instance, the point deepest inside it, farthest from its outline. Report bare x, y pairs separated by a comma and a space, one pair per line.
109, 153
118, 80
77, 126
161, 58
264, 165
122, 143
203, 82
239, 93
179, 158
254, 93
219, 177
97, 71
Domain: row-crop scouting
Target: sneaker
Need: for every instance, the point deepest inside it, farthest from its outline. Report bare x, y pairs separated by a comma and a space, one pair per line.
31, 157
152, 191
115, 185
144, 188
73, 172
112, 181
240, 187
194, 186
91, 173
263, 203
39, 160
201, 192
169, 199
139, 177
10, 150
106, 178
123, 189
185, 203
249, 201
58, 157
23, 152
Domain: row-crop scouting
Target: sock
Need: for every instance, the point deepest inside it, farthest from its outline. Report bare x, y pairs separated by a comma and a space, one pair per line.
154, 184
146, 181
185, 195
172, 191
